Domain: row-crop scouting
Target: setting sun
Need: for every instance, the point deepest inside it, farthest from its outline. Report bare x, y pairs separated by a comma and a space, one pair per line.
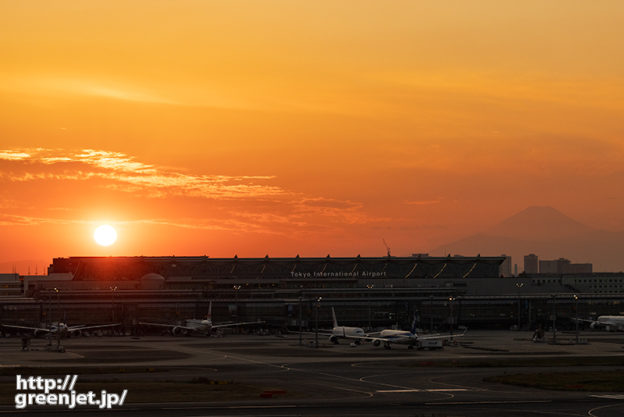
105, 235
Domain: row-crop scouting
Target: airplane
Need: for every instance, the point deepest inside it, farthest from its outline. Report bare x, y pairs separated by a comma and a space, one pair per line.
345, 332
59, 328
609, 322
201, 326
410, 338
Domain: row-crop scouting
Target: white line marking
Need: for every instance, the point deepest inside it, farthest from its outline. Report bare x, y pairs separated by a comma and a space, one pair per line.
591, 412
487, 402
262, 406
610, 396
447, 390
421, 390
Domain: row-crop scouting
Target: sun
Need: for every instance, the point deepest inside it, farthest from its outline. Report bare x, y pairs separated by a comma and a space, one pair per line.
105, 235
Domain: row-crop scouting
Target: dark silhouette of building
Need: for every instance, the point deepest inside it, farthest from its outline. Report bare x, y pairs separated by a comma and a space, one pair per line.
563, 266
531, 265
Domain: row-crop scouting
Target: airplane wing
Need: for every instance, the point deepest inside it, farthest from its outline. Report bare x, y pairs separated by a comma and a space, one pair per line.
218, 326
39, 329
398, 339
389, 339
323, 332
585, 320
82, 327
442, 336
168, 326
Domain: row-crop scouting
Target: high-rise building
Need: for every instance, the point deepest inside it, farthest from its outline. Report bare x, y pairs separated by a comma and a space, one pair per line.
531, 264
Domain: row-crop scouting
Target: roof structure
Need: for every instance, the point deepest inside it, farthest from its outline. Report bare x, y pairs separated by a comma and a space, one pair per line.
203, 267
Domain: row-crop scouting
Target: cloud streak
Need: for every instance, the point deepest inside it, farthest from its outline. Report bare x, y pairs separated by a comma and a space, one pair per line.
125, 173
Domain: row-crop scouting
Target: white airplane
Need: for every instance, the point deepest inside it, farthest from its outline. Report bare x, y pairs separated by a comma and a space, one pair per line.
609, 322
345, 332
410, 338
202, 326
62, 328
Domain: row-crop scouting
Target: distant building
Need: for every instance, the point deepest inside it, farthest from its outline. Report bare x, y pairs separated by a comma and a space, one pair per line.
580, 268
505, 268
564, 266
531, 264
556, 266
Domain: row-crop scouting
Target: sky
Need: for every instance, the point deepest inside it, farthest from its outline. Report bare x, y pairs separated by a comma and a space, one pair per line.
311, 128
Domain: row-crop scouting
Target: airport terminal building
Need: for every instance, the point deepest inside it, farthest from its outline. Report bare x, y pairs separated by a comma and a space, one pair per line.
288, 292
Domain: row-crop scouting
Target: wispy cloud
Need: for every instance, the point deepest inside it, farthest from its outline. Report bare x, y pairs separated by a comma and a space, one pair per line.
9, 155
18, 220
80, 86
422, 202
233, 225
125, 173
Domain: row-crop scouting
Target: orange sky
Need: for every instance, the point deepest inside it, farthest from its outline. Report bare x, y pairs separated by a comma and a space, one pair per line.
283, 127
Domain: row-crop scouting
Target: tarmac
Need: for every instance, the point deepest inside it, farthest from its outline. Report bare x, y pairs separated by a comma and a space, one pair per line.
343, 379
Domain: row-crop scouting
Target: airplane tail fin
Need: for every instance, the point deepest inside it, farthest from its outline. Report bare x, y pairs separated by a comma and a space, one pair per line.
209, 315
414, 322
334, 317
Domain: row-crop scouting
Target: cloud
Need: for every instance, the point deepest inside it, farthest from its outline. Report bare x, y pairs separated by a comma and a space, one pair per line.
330, 203
79, 86
422, 202
246, 224
9, 155
124, 173
18, 220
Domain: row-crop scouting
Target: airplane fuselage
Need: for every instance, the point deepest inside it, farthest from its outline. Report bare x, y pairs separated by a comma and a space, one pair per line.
204, 326
398, 336
344, 331
611, 322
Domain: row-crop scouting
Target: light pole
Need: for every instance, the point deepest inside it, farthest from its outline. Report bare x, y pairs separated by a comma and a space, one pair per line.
58, 304
316, 314
451, 299
49, 316
431, 314
554, 318
236, 289
113, 289
576, 320
370, 311
300, 321
518, 286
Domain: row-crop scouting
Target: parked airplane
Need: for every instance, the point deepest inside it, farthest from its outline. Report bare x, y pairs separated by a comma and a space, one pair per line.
59, 328
201, 326
410, 338
609, 322
345, 332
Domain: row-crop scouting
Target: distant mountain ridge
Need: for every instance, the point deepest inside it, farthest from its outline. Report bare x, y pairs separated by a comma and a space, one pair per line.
549, 234
539, 223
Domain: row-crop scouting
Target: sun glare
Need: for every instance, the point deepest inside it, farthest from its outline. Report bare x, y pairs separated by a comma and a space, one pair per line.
105, 235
